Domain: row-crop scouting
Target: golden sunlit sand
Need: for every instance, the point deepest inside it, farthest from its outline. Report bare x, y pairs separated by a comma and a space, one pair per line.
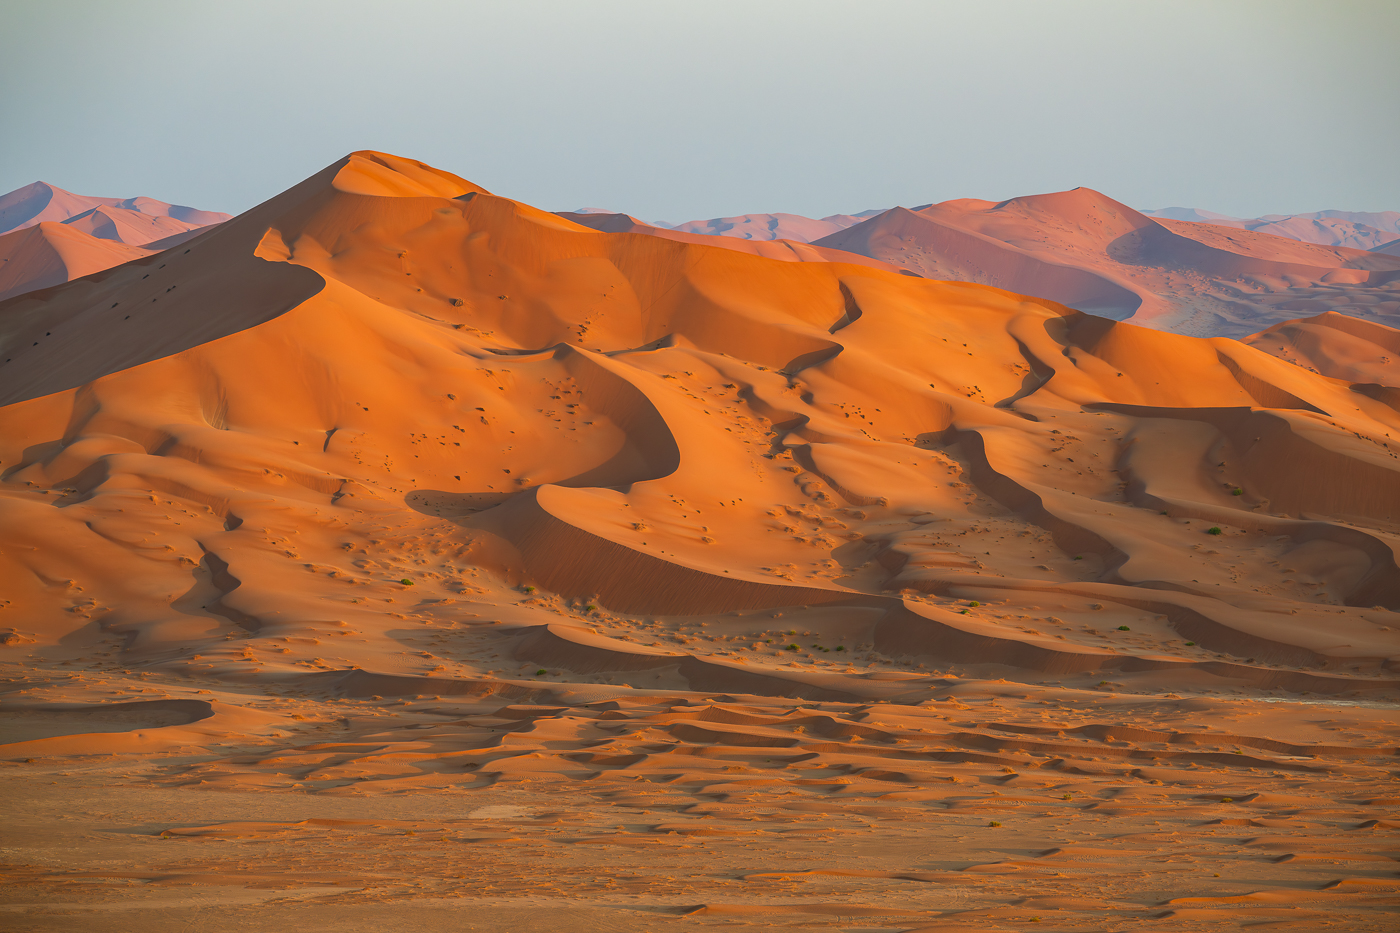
399, 554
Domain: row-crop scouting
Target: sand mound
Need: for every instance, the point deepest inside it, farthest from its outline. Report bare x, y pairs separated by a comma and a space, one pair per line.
1088, 251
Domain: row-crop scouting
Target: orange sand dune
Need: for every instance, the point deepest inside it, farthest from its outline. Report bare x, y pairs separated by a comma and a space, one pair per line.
108, 218
49, 236
1086, 250
669, 563
51, 253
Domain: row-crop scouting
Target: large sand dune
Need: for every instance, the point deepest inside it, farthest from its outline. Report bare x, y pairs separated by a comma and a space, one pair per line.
458, 539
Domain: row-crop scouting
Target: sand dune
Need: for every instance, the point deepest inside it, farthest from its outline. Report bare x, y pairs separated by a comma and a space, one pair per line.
1354, 229
453, 537
785, 250
49, 236
1086, 250
774, 226
48, 254
123, 219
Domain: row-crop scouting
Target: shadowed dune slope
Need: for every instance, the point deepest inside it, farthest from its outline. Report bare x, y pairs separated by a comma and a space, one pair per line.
1086, 250
388, 399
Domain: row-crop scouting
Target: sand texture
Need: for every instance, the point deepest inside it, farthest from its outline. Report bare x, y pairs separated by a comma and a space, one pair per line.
727, 589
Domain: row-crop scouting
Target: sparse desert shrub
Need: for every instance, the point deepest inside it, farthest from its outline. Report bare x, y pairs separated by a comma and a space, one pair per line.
1214, 531
1237, 492
406, 581
1123, 628
541, 672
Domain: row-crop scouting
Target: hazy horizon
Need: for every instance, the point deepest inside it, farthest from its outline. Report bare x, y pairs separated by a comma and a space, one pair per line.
680, 112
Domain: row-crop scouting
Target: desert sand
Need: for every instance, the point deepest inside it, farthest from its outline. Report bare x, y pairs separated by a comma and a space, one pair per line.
728, 590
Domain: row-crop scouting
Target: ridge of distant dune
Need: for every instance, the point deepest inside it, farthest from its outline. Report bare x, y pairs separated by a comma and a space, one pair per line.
773, 226
1086, 250
1353, 229
781, 249
49, 236
117, 218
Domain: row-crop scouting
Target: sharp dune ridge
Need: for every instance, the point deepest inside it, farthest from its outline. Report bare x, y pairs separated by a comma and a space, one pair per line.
449, 537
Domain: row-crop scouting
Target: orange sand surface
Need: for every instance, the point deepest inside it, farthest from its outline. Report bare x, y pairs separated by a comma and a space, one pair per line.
729, 590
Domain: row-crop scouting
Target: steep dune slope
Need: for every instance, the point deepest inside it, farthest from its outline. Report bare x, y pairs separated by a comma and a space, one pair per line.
389, 374
1084, 249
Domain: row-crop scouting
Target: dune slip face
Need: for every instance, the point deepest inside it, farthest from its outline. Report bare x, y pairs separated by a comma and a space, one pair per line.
374, 548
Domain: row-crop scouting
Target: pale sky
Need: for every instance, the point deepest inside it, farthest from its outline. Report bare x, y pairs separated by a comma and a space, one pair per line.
685, 110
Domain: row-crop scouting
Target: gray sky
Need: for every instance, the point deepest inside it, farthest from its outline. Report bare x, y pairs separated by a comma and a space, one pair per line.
685, 110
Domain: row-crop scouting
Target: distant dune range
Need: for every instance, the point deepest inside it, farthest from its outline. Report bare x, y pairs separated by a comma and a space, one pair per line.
746, 549
1084, 249
49, 236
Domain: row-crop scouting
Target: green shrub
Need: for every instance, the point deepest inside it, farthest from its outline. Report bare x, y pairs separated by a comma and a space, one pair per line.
406, 581
1214, 531
541, 672
1123, 628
